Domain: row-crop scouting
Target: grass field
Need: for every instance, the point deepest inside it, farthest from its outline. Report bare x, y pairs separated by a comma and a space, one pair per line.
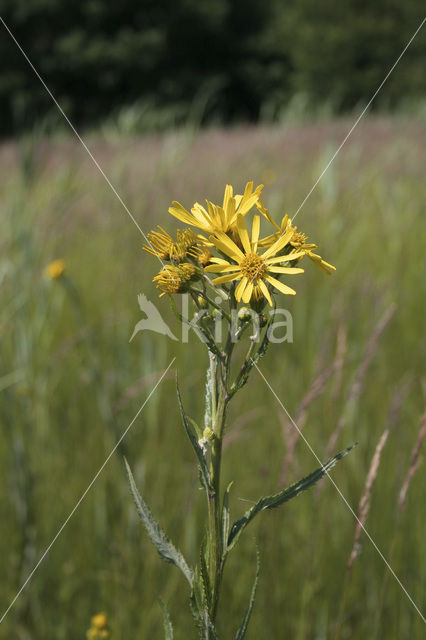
70, 383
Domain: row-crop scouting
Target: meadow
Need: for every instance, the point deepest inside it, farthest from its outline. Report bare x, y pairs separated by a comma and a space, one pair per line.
70, 384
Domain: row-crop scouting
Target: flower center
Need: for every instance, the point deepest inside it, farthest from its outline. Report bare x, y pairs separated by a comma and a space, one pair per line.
252, 266
299, 239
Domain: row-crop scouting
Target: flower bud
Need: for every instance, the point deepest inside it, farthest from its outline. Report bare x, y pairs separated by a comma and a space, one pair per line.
202, 302
208, 434
244, 314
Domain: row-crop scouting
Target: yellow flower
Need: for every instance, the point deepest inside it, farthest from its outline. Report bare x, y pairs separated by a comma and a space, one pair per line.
175, 279
252, 269
218, 218
203, 255
100, 621
55, 269
162, 246
297, 244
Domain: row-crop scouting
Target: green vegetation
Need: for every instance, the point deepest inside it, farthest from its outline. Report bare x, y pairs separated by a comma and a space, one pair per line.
71, 383
173, 61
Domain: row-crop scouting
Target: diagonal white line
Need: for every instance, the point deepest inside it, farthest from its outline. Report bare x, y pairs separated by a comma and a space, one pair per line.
72, 127
361, 115
343, 497
83, 495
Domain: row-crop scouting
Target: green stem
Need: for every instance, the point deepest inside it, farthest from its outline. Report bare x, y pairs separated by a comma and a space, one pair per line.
215, 507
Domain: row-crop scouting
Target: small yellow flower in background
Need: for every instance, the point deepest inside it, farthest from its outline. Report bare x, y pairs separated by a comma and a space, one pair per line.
100, 621
218, 218
251, 268
175, 279
99, 627
55, 269
161, 244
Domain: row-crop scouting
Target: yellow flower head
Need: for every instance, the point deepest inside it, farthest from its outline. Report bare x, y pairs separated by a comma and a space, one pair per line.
252, 269
100, 621
218, 218
162, 246
175, 279
202, 255
297, 244
55, 269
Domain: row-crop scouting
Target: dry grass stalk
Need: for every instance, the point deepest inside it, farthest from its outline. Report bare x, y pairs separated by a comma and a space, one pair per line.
290, 434
415, 462
355, 389
364, 504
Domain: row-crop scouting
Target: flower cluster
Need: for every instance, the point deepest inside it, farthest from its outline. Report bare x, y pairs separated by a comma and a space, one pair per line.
99, 627
247, 266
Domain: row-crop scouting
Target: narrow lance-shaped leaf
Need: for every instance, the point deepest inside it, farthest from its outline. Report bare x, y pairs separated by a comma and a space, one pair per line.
196, 598
271, 502
168, 629
225, 513
165, 548
204, 575
242, 630
198, 451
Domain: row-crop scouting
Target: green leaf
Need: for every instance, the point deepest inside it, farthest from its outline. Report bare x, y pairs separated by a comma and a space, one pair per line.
271, 502
168, 629
165, 548
225, 512
198, 451
242, 630
196, 598
204, 575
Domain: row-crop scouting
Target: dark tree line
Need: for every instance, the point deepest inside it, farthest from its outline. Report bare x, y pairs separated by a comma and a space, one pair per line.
235, 59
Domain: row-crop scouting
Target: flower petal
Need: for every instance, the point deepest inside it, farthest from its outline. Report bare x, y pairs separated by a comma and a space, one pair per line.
247, 293
280, 286
285, 270
221, 268
228, 246
279, 244
228, 278
265, 291
242, 232
240, 288
179, 212
255, 230
287, 258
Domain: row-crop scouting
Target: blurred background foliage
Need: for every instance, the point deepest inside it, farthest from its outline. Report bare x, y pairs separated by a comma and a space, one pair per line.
70, 384
174, 61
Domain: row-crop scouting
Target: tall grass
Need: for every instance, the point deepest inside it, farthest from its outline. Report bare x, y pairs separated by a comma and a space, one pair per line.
70, 383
